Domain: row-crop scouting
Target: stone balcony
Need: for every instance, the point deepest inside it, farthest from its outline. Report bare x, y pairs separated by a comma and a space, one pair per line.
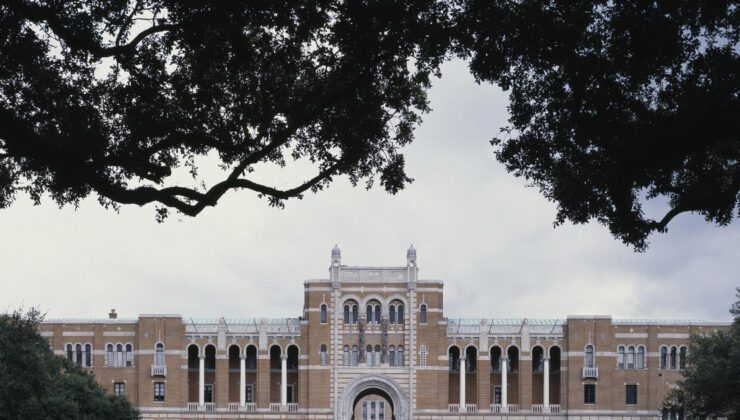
159, 370
590, 373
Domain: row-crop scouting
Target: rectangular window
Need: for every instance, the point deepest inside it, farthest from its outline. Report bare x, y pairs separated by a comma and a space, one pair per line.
381, 410
372, 410
249, 394
497, 395
159, 391
364, 410
208, 393
119, 389
290, 396
630, 392
589, 393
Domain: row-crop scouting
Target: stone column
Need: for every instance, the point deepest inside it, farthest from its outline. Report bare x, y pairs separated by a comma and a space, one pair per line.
504, 384
284, 380
242, 380
462, 384
546, 385
202, 380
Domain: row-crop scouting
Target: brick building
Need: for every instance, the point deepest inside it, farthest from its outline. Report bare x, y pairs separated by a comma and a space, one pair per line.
374, 343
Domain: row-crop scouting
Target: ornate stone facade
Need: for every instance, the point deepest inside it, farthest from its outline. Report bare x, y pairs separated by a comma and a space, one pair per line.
371, 334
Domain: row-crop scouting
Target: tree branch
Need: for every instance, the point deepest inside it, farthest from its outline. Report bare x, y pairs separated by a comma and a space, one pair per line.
39, 14
672, 213
181, 198
23, 141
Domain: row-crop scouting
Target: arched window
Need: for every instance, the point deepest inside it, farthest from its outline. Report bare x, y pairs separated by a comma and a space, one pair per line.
641, 357
400, 314
377, 355
620, 357
423, 314
119, 355
347, 357
369, 314
346, 314
377, 314
369, 355
78, 354
453, 359
252, 357
513, 364
323, 355
682, 358
323, 313
129, 355
70, 353
392, 314
88, 355
159, 354
538, 359
354, 314
399, 356
392, 356
423, 355
589, 362
663, 357
630, 357
673, 357
495, 355
555, 359
471, 359
293, 357
109, 358
275, 356
355, 355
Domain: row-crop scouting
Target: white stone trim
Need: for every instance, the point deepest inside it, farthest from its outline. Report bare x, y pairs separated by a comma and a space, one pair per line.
674, 335
631, 335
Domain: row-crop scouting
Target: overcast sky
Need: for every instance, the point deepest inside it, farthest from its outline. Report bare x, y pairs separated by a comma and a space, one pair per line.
476, 227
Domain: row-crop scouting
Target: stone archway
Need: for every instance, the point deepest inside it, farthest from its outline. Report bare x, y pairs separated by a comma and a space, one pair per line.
366, 384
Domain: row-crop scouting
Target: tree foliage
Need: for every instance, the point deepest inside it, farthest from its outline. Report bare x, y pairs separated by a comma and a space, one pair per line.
36, 384
612, 103
711, 388
113, 97
615, 102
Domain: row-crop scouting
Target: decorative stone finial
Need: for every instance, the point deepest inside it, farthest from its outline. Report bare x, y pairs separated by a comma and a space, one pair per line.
411, 253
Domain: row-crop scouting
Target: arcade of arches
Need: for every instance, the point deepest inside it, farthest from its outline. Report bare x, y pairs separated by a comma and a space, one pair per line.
375, 343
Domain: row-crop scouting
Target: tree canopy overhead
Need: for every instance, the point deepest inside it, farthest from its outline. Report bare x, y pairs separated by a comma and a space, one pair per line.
113, 97
616, 102
611, 103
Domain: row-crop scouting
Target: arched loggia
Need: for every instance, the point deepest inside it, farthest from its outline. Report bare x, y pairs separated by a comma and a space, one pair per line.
193, 366
234, 371
538, 367
453, 369
275, 367
555, 355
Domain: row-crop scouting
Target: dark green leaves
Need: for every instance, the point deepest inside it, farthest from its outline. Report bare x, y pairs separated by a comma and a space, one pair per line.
38, 385
613, 102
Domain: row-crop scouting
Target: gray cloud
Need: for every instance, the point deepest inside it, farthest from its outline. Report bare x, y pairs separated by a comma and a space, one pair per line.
475, 226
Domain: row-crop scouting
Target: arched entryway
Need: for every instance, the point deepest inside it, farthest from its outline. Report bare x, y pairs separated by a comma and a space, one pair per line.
382, 386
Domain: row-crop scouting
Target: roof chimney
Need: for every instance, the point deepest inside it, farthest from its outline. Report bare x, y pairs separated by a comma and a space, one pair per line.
112, 314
